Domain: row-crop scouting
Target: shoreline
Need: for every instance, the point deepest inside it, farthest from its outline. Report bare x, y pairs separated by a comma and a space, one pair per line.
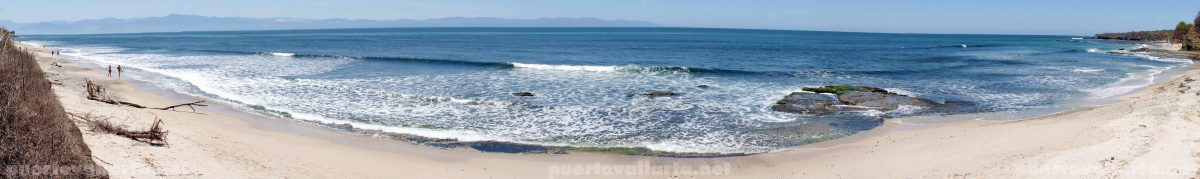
448, 138
840, 154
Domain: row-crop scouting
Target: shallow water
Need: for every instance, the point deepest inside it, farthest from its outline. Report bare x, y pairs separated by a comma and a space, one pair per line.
457, 82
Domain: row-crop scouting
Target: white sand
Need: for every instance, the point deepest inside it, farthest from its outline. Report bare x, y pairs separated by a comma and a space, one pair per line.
1152, 133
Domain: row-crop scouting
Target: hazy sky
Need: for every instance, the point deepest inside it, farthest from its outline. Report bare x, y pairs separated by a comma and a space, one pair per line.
1065, 17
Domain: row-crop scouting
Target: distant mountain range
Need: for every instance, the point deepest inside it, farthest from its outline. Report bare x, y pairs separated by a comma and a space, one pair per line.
176, 23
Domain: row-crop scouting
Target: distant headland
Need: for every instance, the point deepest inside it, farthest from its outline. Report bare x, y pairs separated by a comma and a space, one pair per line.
1184, 33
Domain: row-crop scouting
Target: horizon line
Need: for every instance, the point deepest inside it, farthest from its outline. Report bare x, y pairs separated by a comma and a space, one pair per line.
655, 25
610, 27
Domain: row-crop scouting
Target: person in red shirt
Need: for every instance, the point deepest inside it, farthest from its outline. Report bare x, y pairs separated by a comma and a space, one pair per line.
110, 71
120, 72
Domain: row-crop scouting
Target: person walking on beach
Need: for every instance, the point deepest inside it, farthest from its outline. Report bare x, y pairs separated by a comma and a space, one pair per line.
109, 70
119, 72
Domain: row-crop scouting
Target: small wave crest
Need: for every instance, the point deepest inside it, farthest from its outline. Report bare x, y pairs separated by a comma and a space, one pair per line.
588, 68
280, 54
1087, 70
566, 67
960, 46
1161, 59
534, 66
1145, 55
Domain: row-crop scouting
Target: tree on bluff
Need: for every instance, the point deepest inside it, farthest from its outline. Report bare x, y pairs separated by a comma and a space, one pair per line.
1196, 22
1180, 32
1192, 41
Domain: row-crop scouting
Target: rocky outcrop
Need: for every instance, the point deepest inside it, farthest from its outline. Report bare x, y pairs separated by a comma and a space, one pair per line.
845, 98
1158, 35
522, 94
812, 103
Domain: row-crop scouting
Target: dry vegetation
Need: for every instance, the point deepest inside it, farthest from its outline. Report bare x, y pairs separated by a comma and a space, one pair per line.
35, 131
155, 135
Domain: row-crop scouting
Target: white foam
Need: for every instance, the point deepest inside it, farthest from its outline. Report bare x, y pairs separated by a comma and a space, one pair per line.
567, 67
902, 92
33, 43
703, 144
460, 135
1128, 84
872, 112
1146, 55
282, 54
907, 109
1087, 70
1161, 59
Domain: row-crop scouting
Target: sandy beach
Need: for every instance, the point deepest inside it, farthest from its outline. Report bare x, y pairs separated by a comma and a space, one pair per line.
1153, 132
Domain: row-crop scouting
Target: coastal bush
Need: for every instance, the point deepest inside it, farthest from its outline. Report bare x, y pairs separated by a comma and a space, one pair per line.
35, 132
1181, 31
1196, 21
1191, 41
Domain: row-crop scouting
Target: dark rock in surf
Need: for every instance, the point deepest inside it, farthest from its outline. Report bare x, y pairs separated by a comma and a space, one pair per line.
845, 98
702, 86
522, 94
883, 101
508, 147
811, 103
655, 94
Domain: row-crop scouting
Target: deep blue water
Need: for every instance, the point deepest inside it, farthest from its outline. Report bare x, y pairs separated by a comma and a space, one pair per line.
457, 82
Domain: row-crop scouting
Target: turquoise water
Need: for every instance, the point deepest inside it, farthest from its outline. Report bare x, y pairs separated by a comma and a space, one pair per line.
457, 82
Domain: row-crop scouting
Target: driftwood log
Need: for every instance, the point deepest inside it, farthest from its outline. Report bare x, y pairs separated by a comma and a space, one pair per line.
189, 105
96, 92
153, 136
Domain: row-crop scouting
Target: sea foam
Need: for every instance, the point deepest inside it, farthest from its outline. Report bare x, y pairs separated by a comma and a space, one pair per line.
567, 67
282, 54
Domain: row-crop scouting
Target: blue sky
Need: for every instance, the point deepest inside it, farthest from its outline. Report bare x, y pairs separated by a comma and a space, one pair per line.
1062, 17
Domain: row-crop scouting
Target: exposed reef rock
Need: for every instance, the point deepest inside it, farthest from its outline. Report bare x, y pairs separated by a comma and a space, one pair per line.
845, 98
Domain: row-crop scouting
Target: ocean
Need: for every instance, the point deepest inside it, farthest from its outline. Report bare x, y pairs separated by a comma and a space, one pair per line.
458, 83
